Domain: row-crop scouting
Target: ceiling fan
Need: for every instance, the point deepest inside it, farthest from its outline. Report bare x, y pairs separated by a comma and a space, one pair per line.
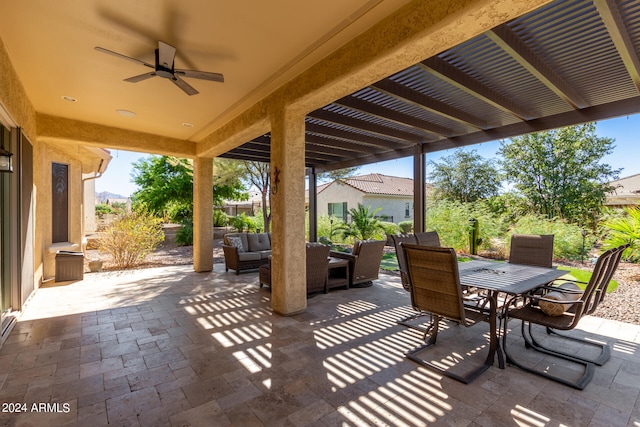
164, 67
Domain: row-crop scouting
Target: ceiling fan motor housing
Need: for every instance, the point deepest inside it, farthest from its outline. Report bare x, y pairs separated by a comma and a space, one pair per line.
163, 70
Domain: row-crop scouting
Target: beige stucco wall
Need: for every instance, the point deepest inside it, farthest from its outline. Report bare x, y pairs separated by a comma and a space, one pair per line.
76, 193
391, 206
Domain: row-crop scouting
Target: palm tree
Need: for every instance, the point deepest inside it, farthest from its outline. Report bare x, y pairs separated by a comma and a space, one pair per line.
364, 225
625, 230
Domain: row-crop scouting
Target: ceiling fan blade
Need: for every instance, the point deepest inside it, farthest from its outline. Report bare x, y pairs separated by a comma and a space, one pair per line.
166, 55
203, 75
121, 56
186, 87
141, 77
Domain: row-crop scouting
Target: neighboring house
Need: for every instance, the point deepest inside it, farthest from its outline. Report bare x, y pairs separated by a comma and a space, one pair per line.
394, 195
627, 192
248, 207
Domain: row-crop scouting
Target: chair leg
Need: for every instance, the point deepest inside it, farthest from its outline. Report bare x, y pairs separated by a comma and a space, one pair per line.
603, 357
531, 342
579, 384
430, 339
405, 321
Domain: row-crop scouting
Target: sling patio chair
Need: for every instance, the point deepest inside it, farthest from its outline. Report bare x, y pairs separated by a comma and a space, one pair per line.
427, 238
532, 249
560, 306
435, 288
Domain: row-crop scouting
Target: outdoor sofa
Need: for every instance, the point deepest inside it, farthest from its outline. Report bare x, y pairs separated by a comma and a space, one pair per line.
246, 251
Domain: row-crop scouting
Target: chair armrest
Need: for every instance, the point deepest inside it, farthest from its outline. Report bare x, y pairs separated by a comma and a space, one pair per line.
230, 251
342, 255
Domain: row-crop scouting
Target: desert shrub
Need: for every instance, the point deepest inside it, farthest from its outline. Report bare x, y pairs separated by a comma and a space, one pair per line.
567, 243
624, 228
220, 218
103, 209
451, 219
328, 229
243, 222
406, 227
389, 228
184, 236
131, 237
179, 212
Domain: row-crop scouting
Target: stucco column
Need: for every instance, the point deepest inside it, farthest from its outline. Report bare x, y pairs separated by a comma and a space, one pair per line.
202, 214
288, 268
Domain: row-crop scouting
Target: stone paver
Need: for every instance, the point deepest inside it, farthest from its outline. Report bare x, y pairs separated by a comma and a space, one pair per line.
168, 346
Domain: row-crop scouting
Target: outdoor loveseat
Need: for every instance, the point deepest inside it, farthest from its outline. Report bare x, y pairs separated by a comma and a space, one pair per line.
246, 251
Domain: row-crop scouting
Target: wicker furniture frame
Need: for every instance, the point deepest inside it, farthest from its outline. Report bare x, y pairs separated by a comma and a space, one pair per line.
436, 289
317, 262
232, 258
364, 261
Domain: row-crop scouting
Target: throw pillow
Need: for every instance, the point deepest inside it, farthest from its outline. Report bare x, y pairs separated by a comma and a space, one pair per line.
557, 308
236, 242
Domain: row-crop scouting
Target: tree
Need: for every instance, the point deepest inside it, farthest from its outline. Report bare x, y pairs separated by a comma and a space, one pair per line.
166, 185
559, 171
364, 225
258, 174
465, 176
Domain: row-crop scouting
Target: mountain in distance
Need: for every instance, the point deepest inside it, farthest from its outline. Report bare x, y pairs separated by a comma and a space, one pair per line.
104, 195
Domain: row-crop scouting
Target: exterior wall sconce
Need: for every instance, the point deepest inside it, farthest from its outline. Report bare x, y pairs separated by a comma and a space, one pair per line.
6, 163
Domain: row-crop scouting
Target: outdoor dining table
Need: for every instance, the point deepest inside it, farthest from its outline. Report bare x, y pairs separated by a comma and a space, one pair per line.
503, 277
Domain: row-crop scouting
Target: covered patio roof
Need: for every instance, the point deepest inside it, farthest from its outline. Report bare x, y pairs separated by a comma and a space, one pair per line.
566, 63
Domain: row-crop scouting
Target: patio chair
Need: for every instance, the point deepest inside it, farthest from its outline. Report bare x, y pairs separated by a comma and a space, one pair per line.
531, 249
575, 304
435, 288
429, 238
364, 262
317, 261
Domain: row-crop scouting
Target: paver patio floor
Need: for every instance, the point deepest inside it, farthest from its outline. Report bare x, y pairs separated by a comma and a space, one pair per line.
168, 346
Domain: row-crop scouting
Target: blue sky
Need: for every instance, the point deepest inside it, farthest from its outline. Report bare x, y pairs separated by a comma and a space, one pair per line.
624, 130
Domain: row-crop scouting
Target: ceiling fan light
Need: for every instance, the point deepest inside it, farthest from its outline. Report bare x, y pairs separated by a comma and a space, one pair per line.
126, 113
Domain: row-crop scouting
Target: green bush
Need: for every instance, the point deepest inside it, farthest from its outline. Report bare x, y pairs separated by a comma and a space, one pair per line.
328, 229
406, 226
184, 236
624, 228
178, 212
243, 222
220, 218
103, 209
389, 228
567, 243
131, 237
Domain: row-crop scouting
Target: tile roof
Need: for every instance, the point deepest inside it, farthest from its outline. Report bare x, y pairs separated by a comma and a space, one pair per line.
376, 183
629, 185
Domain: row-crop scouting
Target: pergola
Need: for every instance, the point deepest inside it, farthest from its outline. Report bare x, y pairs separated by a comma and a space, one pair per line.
565, 63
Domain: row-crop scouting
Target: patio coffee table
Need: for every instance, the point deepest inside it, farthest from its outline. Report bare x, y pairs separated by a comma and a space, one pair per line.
337, 273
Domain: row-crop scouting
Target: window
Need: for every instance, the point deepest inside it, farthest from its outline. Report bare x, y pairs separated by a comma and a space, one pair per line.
60, 202
338, 210
407, 210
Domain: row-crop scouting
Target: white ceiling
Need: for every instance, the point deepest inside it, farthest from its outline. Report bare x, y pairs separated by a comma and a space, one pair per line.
258, 45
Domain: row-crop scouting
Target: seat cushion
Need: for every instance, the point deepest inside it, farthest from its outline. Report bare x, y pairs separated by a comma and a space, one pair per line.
258, 242
249, 256
264, 254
